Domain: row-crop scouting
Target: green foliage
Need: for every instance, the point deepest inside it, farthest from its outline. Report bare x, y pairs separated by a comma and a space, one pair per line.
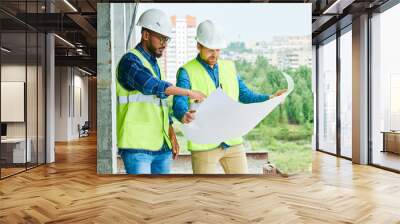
298, 160
286, 132
264, 78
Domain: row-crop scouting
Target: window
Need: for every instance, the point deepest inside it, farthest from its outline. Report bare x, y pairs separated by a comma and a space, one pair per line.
22, 66
346, 94
327, 96
385, 89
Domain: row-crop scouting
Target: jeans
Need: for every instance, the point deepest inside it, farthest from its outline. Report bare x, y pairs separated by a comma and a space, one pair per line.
142, 162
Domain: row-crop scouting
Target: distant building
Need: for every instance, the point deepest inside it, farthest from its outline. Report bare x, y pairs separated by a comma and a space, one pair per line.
290, 52
181, 48
283, 52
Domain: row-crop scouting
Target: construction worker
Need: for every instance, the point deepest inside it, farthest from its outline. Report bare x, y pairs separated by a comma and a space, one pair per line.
205, 73
144, 126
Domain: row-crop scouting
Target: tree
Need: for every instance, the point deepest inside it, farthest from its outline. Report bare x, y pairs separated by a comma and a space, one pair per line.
265, 78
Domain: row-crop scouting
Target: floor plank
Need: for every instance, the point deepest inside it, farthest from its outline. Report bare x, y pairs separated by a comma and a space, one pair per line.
70, 191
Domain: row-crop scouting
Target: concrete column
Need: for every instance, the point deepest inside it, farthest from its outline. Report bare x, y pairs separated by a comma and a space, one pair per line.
360, 90
113, 32
50, 92
104, 95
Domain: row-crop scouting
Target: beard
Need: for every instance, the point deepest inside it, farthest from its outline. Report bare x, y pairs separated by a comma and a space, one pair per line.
157, 52
212, 60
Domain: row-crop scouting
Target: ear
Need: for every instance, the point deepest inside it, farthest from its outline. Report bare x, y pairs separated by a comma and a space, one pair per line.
145, 35
198, 46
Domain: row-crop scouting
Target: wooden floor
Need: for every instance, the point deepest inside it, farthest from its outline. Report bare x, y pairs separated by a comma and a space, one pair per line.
5, 172
9, 171
387, 159
70, 191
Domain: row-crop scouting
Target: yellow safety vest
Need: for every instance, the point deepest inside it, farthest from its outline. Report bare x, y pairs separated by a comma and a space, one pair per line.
200, 80
142, 120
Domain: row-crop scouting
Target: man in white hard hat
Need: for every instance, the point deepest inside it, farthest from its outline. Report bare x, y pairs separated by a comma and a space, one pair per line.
144, 131
206, 73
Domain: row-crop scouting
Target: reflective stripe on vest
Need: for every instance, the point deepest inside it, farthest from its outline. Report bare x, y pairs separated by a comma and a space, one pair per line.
140, 98
200, 80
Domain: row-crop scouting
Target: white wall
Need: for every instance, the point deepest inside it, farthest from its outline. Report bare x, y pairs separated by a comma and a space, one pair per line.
79, 117
61, 103
70, 83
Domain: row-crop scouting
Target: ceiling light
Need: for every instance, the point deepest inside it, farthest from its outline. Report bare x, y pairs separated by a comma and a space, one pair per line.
5, 50
338, 6
84, 71
70, 5
65, 41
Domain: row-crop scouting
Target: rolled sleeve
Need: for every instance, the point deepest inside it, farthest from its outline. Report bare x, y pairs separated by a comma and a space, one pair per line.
181, 103
132, 75
247, 96
159, 90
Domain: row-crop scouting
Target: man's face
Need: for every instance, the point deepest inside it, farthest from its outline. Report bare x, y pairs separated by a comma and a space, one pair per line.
155, 43
210, 56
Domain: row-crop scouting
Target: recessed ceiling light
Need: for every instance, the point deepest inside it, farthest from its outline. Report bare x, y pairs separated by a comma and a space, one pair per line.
5, 50
338, 6
70, 5
84, 71
64, 40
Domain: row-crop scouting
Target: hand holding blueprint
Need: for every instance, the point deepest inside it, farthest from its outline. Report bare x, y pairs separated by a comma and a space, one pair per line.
220, 118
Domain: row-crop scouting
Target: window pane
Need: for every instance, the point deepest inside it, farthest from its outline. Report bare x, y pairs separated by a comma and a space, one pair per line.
386, 89
41, 98
31, 97
13, 87
346, 94
327, 97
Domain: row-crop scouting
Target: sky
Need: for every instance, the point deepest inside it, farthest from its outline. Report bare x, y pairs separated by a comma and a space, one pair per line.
247, 22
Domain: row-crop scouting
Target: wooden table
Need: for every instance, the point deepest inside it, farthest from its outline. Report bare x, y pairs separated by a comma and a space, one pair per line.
391, 141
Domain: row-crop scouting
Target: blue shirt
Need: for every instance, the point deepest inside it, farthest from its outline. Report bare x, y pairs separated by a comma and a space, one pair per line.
132, 75
181, 103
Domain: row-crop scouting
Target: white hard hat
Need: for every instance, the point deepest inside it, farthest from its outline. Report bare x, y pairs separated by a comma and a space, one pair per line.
210, 36
157, 21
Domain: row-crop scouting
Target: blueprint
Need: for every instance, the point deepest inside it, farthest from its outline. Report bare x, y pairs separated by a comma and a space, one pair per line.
220, 118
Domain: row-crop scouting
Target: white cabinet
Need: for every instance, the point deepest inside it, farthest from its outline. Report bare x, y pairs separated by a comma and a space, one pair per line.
17, 147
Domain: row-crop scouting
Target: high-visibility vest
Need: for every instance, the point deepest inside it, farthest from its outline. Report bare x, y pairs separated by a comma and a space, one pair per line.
200, 80
142, 120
